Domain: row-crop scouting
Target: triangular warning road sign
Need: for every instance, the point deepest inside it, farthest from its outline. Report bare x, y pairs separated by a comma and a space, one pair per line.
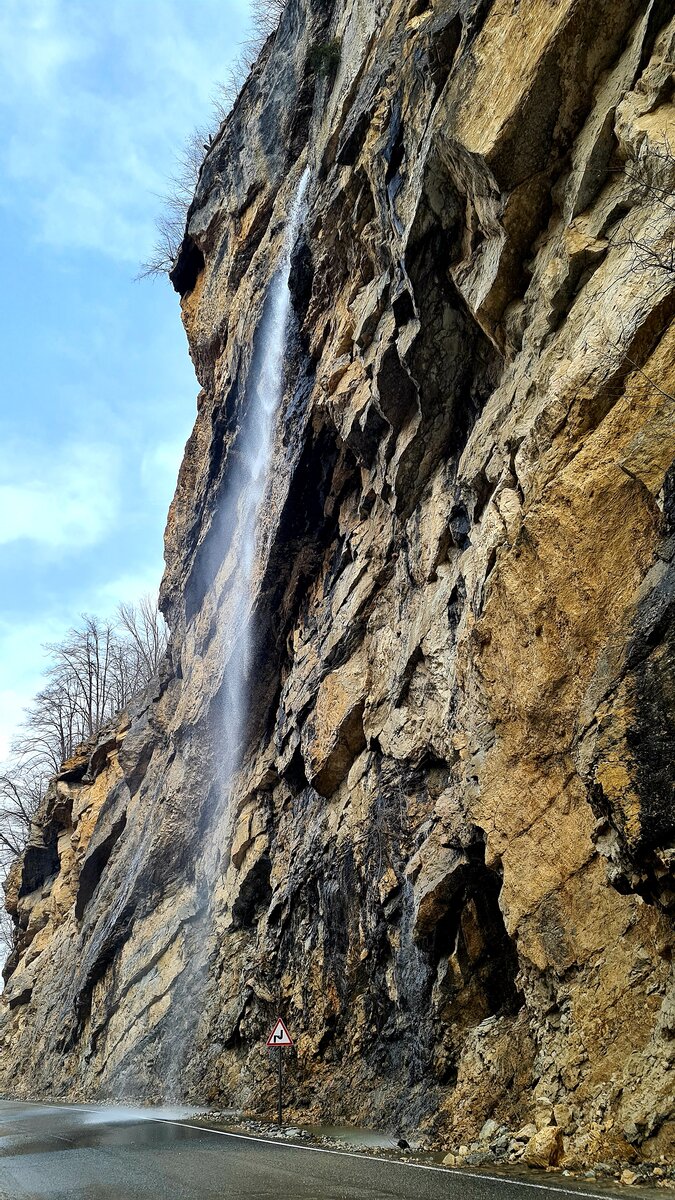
279, 1037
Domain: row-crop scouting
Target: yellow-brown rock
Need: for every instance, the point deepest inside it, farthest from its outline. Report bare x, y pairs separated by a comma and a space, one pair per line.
544, 1148
448, 855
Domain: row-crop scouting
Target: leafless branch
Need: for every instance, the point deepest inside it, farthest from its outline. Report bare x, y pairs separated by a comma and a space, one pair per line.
265, 17
93, 673
20, 796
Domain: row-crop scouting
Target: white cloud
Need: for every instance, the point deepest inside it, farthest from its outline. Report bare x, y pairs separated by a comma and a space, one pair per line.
65, 501
74, 213
35, 46
96, 108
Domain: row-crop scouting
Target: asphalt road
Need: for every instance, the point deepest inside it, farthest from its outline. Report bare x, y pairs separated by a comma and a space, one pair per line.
75, 1153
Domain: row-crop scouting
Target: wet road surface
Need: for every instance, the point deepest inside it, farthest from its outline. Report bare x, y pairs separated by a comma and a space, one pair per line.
75, 1153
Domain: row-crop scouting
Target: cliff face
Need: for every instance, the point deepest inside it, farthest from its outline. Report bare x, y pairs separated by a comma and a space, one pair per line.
447, 858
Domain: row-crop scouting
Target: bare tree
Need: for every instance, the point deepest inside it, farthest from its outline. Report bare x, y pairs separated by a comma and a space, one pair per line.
650, 175
98, 668
170, 223
648, 243
52, 727
265, 17
20, 796
146, 631
6, 934
649, 171
82, 670
93, 674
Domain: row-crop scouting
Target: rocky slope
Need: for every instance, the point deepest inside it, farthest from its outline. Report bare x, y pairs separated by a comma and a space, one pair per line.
448, 856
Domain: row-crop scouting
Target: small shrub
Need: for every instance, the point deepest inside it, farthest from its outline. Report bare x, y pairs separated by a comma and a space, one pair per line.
324, 57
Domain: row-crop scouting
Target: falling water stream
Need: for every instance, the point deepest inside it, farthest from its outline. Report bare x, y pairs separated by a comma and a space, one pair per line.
254, 452
241, 513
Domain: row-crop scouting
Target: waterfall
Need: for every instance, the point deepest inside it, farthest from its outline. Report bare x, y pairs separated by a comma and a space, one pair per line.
240, 510
254, 446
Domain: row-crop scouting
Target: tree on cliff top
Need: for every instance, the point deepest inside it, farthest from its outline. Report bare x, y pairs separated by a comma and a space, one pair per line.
93, 673
170, 224
20, 795
266, 15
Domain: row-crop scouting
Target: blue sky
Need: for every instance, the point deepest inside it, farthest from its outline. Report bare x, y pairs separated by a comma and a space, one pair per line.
97, 393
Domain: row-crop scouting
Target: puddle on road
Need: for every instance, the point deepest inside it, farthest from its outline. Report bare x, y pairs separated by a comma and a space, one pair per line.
361, 1139
113, 1135
34, 1129
342, 1137
125, 1113
15, 1144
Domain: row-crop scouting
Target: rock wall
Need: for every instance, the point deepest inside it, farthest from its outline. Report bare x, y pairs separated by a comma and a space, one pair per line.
448, 855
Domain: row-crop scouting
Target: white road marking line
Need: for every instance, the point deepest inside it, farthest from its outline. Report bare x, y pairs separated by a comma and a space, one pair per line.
251, 1137
397, 1162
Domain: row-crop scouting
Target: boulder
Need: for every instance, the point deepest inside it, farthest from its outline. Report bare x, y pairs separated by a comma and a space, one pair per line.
544, 1149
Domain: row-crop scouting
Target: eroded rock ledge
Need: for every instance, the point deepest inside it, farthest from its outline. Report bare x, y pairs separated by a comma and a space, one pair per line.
449, 855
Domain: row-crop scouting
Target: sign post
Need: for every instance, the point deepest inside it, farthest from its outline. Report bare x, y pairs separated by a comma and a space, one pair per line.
279, 1040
